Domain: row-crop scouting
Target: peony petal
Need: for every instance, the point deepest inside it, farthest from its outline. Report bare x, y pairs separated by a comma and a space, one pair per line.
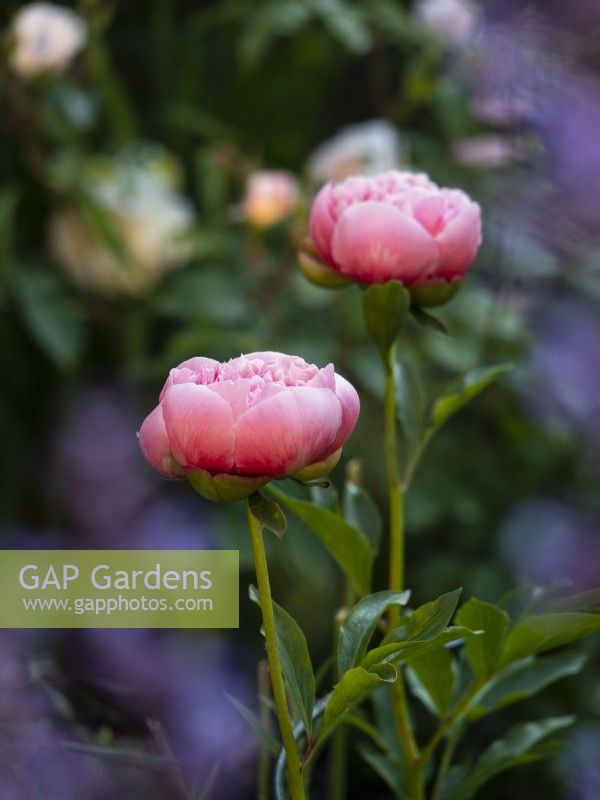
268, 356
348, 397
199, 425
322, 224
459, 241
235, 393
177, 375
199, 364
154, 444
324, 379
286, 432
375, 242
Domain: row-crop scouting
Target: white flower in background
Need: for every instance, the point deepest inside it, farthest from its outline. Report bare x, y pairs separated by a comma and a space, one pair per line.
455, 21
44, 38
136, 228
368, 148
271, 196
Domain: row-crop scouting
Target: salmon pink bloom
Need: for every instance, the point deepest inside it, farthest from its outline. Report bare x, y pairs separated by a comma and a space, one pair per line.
271, 196
395, 226
231, 427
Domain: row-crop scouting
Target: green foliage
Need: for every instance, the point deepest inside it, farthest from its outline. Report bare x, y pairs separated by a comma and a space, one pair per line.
295, 662
348, 545
268, 513
524, 679
357, 629
384, 309
271, 741
352, 687
462, 392
432, 679
536, 634
405, 650
483, 651
428, 321
431, 619
54, 319
362, 513
521, 745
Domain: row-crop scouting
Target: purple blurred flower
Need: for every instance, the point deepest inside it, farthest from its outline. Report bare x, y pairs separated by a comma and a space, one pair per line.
180, 682
567, 123
112, 499
521, 77
565, 384
581, 764
36, 759
100, 473
547, 540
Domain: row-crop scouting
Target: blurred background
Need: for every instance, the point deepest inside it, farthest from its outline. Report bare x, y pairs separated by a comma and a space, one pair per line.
157, 161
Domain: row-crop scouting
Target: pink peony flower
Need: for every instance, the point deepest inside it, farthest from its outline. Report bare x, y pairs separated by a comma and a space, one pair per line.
396, 226
231, 427
271, 196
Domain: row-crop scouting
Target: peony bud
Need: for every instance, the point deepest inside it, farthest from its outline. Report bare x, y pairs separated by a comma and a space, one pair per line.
232, 427
271, 197
398, 226
45, 38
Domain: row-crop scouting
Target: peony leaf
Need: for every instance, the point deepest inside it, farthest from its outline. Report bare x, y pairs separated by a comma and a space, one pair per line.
352, 686
295, 661
464, 390
269, 738
268, 513
358, 627
427, 621
519, 746
348, 545
537, 634
431, 676
362, 513
483, 651
397, 652
524, 679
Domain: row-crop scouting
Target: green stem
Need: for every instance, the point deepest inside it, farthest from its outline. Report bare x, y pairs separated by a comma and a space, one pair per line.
396, 575
338, 753
295, 780
338, 777
395, 489
454, 716
445, 762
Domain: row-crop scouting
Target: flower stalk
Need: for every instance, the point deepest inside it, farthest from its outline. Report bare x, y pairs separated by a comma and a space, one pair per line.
396, 574
295, 779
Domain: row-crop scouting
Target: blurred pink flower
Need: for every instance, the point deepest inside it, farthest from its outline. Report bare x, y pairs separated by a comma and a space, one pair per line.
396, 226
487, 151
271, 196
245, 421
456, 21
